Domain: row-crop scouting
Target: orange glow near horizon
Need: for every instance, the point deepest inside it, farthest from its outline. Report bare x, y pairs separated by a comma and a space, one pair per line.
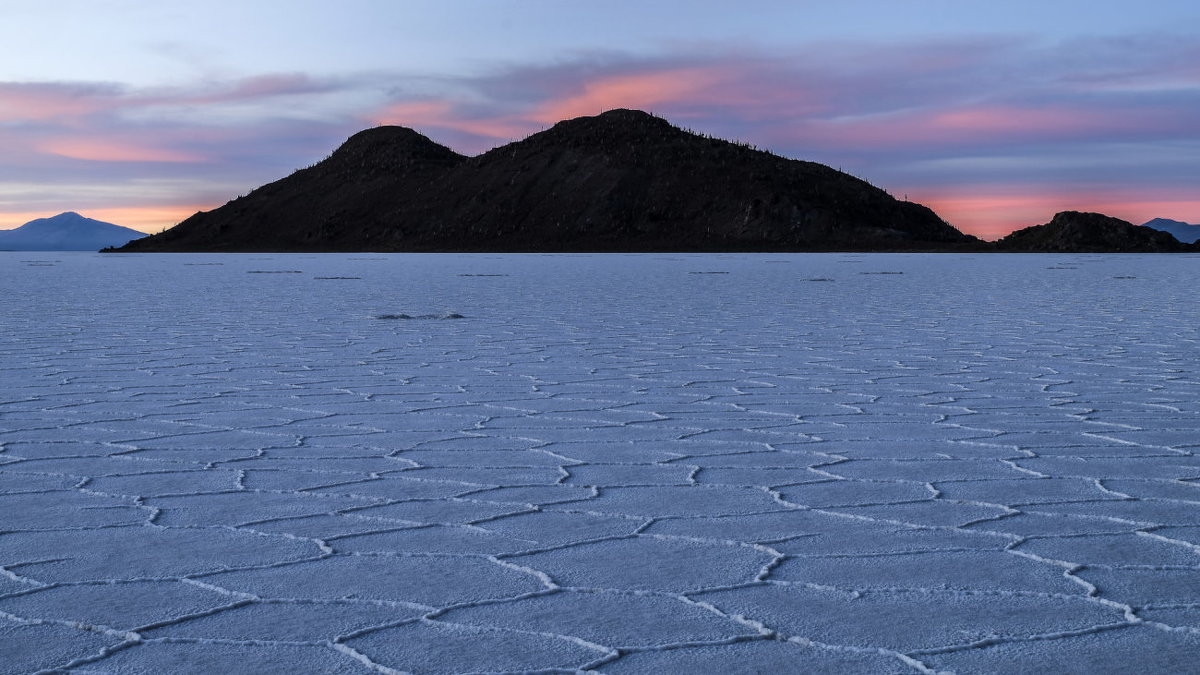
987, 216
148, 219
991, 216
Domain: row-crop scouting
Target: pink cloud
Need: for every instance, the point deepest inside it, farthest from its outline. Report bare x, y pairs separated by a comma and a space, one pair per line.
560, 100
1008, 119
21, 102
877, 115
884, 102
102, 150
644, 90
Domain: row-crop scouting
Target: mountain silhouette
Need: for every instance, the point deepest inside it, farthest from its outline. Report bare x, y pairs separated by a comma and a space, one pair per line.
66, 232
1076, 232
620, 181
1185, 232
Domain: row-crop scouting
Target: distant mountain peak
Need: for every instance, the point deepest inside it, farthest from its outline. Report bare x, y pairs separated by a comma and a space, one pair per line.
56, 220
1185, 232
67, 231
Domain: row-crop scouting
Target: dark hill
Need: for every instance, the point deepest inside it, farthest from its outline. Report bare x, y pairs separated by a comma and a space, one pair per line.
333, 204
1075, 232
621, 181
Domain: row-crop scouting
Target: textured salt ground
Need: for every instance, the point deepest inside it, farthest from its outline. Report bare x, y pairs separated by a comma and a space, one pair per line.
929, 463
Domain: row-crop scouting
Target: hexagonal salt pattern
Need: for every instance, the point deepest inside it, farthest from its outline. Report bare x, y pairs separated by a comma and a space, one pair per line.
970, 464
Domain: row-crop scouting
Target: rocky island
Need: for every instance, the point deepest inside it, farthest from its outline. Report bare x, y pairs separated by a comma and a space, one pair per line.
624, 180
621, 181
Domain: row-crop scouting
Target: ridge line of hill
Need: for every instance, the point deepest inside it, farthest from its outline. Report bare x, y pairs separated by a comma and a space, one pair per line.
621, 181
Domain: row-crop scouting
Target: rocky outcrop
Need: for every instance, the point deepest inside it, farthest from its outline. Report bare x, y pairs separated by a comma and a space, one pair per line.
1076, 232
336, 204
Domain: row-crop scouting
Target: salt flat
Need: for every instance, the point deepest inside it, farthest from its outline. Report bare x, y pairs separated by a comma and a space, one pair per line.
625, 463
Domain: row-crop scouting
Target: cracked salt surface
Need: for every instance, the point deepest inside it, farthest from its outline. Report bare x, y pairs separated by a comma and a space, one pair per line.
614, 463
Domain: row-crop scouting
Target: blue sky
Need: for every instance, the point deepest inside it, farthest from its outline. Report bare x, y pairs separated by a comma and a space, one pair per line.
995, 114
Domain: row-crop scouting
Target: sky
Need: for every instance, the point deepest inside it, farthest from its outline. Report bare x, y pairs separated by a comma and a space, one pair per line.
995, 114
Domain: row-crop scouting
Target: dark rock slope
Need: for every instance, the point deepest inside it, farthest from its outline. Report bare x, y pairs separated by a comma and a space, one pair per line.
335, 204
621, 181
1076, 232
